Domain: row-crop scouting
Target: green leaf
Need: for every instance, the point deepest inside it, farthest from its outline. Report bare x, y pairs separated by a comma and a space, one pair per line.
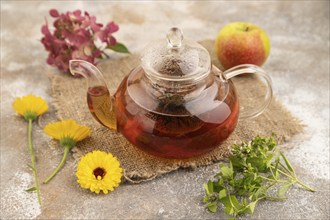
229, 210
287, 163
208, 187
251, 206
228, 205
234, 201
218, 186
31, 189
222, 194
212, 207
277, 160
238, 163
257, 163
227, 172
284, 188
205, 199
119, 47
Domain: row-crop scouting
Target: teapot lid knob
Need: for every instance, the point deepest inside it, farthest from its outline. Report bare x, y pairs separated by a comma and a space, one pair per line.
178, 60
175, 37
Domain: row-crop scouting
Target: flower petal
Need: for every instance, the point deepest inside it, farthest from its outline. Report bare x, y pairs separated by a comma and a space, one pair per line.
54, 13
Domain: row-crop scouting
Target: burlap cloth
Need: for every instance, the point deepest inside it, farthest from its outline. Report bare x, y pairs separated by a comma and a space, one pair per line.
69, 99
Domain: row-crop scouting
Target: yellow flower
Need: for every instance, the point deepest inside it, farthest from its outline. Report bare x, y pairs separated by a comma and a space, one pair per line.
67, 129
68, 132
30, 106
98, 171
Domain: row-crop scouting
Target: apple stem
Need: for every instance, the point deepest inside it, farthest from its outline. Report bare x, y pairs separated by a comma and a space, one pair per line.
247, 28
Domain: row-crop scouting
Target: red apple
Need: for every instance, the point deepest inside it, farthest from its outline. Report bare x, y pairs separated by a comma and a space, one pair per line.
241, 43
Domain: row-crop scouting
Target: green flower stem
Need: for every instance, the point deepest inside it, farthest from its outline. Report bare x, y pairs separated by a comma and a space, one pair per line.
105, 54
274, 198
286, 169
304, 185
295, 179
65, 155
33, 159
273, 180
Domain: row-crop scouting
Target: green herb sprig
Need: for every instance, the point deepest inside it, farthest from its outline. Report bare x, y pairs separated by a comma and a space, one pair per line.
255, 167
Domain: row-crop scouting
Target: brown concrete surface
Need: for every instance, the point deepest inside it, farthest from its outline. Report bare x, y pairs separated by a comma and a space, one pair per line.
298, 65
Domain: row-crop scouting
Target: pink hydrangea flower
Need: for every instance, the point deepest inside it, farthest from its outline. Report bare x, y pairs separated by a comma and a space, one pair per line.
73, 38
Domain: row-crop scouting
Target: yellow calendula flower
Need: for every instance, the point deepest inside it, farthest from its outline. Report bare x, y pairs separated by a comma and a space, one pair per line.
30, 106
68, 132
99, 171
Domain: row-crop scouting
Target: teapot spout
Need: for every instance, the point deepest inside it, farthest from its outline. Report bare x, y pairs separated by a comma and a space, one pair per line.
100, 103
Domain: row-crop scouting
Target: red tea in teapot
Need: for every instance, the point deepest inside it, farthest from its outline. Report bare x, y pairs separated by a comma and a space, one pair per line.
166, 135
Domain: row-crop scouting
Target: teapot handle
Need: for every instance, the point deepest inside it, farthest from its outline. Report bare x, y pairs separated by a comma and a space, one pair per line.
101, 105
248, 69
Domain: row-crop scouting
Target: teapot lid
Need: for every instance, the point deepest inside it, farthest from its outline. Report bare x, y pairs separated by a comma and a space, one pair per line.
178, 60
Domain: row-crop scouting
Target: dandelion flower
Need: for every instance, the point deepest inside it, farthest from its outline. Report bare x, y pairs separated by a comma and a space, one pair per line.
98, 171
68, 132
30, 107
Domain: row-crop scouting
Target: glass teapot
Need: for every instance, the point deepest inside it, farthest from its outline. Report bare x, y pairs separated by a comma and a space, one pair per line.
175, 104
